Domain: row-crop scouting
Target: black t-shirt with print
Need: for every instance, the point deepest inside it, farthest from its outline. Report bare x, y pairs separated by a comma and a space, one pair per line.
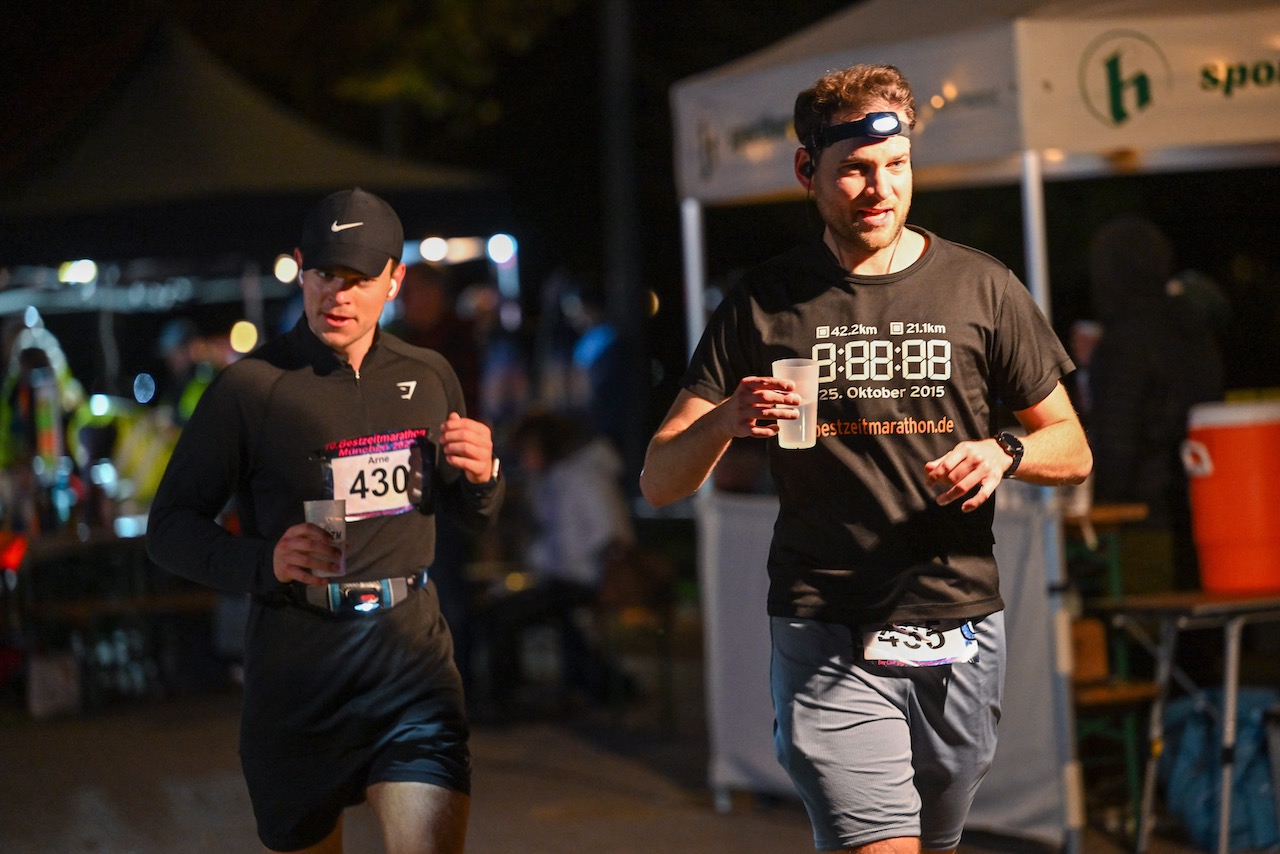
909, 364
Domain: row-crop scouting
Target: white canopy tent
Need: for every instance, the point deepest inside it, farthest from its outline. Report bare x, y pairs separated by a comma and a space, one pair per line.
1008, 91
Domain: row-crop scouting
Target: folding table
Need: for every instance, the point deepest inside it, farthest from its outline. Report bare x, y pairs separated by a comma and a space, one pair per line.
1176, 613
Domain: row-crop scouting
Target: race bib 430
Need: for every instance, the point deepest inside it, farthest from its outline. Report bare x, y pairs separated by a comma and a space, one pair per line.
382, 474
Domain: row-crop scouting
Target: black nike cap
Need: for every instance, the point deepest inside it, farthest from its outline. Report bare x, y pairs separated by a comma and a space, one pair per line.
353, 229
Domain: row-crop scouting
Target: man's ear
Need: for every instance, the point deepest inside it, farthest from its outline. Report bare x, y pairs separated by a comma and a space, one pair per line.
397, 276
297, 259
804, 166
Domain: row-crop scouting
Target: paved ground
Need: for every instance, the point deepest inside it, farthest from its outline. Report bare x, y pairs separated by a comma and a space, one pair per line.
161, 777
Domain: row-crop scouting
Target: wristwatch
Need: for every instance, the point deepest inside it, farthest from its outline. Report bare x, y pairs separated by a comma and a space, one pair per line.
1012, 446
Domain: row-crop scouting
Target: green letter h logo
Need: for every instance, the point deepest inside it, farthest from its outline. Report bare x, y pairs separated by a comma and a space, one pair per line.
1116, 86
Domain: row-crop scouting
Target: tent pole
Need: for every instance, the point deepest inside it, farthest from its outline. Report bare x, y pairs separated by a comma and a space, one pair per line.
694, 271
1035, 244
1036, 253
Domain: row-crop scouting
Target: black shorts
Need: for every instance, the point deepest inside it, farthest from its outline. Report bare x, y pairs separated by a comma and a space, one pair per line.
334, 704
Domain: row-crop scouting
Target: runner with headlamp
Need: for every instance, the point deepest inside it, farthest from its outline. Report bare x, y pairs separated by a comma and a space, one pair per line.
884, 601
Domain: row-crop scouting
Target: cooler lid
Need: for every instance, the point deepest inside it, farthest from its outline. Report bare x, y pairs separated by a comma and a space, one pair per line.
1236, 414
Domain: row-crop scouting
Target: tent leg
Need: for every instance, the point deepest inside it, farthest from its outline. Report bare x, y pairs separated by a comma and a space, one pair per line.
694, 271
1037, 263
1064, 710
1035, 243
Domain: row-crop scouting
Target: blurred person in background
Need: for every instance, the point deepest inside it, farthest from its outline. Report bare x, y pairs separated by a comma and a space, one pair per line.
577, 519
1082, 340
1158, 356
187, 374
601, 368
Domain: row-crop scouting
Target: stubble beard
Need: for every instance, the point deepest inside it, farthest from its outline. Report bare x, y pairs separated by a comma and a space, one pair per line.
866, 243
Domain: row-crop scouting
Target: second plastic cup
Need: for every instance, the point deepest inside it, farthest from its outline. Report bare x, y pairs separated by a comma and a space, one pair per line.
332, 516
801, 432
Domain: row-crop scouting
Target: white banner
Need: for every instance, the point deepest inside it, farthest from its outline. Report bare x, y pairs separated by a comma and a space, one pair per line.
1087, 85
1143, 83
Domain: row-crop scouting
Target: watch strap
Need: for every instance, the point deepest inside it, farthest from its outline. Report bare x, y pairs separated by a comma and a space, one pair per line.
1012, 446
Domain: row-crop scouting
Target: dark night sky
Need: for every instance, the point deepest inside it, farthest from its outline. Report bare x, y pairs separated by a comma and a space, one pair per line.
546, 143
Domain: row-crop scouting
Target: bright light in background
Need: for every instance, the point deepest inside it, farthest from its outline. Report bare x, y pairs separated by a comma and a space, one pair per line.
99, 405
286, 269
244, 336
654, 304
938, 102
31, 318
502, 251
452, 250
144, 388
501, 248
80, 272
434, 249
758, 150
463, 249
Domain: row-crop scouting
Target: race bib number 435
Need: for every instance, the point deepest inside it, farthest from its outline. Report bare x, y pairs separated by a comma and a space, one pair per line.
929, 644
380, 475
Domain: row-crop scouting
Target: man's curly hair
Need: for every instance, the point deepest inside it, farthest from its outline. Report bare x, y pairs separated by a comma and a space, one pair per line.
857, 89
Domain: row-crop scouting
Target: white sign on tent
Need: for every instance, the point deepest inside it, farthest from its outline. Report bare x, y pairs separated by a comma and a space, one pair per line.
1059, 79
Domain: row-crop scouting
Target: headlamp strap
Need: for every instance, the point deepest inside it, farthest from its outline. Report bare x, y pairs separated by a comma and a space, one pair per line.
879, 125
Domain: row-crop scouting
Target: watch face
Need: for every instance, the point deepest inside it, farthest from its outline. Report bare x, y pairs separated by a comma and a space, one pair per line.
1012, 446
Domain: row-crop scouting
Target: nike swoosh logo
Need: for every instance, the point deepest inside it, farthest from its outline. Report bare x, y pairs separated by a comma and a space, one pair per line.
344, 226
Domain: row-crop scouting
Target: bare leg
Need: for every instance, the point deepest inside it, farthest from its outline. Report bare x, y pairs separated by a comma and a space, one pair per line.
897, 845
419, 818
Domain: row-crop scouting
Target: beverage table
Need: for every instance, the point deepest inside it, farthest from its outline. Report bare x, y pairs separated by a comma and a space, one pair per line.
1175, 613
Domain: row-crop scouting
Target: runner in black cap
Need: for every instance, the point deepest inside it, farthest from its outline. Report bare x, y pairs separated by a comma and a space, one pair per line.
350, 692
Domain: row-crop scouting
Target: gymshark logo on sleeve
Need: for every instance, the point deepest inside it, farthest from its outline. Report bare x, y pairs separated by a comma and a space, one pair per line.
336, 228
407, 389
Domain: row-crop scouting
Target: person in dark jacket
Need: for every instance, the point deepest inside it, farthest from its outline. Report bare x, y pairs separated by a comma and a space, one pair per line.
1158, 357
351, 693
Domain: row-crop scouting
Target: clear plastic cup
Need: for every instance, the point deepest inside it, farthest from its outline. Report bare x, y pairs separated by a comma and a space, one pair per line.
331, 515
800, 432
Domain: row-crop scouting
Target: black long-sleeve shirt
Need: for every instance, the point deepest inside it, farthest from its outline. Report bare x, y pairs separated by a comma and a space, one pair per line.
265, 434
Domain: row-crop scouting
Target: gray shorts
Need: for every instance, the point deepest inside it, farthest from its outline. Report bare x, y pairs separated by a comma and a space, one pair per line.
880, 752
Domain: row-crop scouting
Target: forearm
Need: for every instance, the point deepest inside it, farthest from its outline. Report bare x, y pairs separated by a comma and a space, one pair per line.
1055, 454
196, 547
696, 433
680, 458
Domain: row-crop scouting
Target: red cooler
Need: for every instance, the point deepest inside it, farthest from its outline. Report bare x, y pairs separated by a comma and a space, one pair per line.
1232, 457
